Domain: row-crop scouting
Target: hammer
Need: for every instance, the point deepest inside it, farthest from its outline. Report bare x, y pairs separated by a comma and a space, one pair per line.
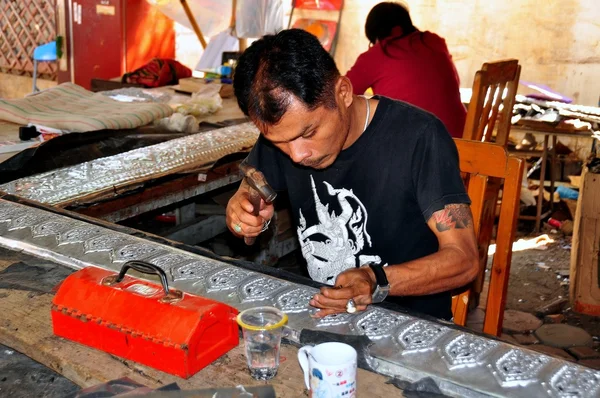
258, 188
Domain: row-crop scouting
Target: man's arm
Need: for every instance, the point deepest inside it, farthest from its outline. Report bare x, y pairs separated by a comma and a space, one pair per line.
454, 265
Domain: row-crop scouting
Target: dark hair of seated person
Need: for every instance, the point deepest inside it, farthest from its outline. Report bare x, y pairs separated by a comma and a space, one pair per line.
383, 18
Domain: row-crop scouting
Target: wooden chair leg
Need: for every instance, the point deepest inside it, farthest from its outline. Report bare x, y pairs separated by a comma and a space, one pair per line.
494, 313
460, 307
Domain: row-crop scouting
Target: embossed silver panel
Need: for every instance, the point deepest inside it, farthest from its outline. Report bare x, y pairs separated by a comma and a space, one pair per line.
27, 221
518, 367
101, 175
260, 288
336, 319
171, 260
105, 243
193, 271
49, 227
79, 234
571, 382
421, 336
136, 251
468, 350
226, 279
377, 323
295, 300
461, 363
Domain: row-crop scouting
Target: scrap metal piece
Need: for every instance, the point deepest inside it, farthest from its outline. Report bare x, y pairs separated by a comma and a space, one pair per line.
104, 174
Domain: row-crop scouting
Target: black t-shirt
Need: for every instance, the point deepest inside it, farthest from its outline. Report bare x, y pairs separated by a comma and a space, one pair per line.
373, 202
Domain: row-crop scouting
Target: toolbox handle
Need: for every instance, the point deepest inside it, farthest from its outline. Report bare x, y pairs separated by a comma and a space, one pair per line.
145, 268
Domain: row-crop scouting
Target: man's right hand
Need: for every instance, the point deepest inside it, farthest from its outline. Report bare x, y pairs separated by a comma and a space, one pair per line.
240, 220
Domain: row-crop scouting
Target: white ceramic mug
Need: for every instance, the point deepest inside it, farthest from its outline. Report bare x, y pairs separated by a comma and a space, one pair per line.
329, 370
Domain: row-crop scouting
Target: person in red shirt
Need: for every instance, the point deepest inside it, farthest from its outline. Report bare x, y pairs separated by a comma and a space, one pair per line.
410, 65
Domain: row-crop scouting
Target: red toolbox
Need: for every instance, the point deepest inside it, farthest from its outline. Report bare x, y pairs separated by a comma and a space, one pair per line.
163, 328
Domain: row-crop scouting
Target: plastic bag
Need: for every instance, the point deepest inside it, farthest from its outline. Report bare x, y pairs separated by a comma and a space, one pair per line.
202, 103
256, 18
212, 16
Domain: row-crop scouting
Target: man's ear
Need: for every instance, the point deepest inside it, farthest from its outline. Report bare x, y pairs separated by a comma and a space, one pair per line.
343, 91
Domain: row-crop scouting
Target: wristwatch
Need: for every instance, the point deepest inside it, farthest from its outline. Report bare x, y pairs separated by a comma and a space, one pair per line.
382, 288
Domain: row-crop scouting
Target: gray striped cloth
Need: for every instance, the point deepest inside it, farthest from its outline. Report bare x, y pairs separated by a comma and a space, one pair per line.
72, 108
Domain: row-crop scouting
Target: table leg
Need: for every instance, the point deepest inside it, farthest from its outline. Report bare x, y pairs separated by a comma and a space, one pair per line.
538, 215
552, 165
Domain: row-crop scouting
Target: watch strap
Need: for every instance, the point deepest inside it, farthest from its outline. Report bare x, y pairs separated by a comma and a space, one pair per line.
380, 277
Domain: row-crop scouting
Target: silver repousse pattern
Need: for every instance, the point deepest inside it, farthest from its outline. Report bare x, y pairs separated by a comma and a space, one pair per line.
136, 251
518, 367
468, 350
295, 300
9, 212
226, 279
78, 234
335, 320
105, 243
421, 336
462, 363
571, 382
168, 261
27, 221
193, 271
102, 175
49, 227
260, 288
377, 323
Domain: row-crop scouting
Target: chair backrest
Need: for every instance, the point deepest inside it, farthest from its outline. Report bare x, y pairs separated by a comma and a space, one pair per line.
493, 98
481, 163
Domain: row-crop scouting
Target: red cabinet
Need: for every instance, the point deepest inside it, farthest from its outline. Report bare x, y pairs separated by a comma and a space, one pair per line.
106, 38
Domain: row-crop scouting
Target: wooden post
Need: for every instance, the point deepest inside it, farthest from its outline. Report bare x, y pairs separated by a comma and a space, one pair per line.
243, 43
192, 20
585, 264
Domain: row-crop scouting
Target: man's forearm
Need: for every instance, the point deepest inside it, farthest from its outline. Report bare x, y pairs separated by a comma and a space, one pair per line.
449, 268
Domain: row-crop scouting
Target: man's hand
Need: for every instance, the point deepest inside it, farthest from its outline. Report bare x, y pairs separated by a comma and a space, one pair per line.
355, 283
240, 220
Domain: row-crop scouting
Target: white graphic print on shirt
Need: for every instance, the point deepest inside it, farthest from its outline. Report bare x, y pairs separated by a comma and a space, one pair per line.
337, 239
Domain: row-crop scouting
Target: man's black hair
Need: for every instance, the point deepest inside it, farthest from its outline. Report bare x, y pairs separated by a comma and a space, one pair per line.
276, 67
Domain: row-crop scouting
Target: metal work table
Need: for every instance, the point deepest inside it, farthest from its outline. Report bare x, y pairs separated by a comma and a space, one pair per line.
391, 343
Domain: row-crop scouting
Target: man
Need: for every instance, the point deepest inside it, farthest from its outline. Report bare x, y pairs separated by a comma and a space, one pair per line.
374, 184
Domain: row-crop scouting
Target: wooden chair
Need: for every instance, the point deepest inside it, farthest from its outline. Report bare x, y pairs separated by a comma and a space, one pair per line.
490, 109
489, 102
482, 163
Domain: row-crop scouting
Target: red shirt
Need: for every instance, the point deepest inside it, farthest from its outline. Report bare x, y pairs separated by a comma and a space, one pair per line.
418, 70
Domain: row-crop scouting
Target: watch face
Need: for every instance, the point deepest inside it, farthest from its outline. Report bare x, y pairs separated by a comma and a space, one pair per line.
380, 293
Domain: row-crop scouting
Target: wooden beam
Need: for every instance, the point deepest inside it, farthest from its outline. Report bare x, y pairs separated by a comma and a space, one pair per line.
192, 20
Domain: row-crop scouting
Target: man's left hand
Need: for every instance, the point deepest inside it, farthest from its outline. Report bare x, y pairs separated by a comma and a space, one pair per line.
355, 283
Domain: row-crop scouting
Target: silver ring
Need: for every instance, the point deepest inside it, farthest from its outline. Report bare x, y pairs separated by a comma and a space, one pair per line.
351, 306
237, 228
265, 226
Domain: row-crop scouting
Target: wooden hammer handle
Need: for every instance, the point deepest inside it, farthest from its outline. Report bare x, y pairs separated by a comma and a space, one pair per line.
255, 200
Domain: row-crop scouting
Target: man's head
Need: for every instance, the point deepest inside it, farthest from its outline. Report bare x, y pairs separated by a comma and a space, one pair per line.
292, 90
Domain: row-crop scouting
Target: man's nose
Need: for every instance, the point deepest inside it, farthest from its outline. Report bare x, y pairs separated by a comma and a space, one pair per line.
298, 152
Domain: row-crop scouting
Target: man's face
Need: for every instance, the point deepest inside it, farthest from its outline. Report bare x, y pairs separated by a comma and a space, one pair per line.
310, 138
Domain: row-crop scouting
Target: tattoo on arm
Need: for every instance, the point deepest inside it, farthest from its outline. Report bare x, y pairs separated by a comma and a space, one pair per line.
453, 216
